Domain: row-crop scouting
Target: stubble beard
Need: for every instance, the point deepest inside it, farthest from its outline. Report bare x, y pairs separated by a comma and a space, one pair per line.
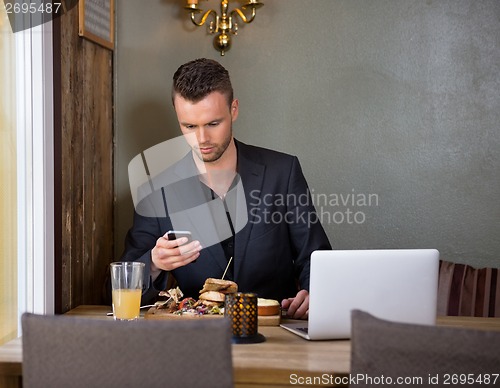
218, 151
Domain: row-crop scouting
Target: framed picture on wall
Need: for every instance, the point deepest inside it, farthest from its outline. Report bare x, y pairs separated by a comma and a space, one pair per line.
96, 21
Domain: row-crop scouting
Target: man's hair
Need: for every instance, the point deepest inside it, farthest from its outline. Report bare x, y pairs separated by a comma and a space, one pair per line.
197, 79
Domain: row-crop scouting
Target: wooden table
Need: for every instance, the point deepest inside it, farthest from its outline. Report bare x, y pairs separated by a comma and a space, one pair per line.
282, 360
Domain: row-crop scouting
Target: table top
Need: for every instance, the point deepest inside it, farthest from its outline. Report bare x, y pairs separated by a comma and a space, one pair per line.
274, 362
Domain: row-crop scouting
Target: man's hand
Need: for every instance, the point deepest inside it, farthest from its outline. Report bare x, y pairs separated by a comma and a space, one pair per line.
298, 307
169, 255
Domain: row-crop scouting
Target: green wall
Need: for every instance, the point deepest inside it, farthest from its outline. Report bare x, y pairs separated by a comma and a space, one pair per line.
392, 103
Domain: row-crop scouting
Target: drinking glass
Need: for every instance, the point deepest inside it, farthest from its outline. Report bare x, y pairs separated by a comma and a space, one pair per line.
126, 284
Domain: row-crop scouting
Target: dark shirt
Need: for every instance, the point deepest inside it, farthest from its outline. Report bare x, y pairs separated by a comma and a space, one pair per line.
228, 243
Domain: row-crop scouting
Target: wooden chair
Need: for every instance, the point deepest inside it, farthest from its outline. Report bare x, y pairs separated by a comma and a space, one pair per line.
60, 351
468, 291
434, 355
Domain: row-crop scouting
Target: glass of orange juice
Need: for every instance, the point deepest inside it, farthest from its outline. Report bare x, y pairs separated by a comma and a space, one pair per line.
126, 284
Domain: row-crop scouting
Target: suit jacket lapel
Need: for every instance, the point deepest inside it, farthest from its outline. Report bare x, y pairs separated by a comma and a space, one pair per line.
252, 176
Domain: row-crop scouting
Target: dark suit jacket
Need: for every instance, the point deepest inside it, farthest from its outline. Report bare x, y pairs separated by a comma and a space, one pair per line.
275, 235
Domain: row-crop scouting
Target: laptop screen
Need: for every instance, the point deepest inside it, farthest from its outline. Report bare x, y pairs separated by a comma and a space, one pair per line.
398, 285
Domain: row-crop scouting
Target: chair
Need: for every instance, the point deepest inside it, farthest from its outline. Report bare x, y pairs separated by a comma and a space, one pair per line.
468, 291
61, 351
424, 355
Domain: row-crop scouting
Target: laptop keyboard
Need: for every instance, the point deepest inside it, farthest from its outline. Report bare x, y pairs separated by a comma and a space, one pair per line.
303, 329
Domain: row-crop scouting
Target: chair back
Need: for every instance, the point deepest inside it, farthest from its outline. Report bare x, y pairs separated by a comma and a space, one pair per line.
424, 355
468, 291
62, 351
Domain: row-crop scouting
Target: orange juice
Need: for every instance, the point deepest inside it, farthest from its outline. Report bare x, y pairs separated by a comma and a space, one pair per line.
126, 303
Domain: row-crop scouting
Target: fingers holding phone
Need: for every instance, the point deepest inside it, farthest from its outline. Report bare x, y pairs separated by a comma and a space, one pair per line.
184, 241
180, 237
175, 249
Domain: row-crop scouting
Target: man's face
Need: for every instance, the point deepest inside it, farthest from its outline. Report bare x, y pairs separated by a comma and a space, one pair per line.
211, 121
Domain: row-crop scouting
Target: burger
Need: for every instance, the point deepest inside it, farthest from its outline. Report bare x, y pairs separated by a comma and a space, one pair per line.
267, 307
210, 301
214, 291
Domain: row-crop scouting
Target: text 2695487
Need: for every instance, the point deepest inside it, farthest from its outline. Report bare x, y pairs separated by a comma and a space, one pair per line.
32, 8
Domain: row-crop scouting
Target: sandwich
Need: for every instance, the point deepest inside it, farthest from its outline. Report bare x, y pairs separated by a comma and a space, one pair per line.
267, 307
210, 301
214, 291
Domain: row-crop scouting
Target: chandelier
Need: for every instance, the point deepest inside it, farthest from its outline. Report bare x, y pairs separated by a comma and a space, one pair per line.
225, 24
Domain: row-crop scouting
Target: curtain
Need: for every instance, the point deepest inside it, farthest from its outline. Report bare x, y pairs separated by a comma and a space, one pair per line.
8, 193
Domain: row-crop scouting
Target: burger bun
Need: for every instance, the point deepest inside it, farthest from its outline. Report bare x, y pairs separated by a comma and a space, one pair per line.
268, 307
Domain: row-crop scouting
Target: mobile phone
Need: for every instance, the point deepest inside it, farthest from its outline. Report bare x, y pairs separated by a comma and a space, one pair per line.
175, 234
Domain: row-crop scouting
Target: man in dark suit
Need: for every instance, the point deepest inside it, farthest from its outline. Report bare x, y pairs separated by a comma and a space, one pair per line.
248, 208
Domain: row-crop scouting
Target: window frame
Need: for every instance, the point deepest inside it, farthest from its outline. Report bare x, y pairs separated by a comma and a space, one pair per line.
35, 170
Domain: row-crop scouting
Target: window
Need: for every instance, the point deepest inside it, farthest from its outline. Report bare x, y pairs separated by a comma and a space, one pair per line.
8, 192
26, 175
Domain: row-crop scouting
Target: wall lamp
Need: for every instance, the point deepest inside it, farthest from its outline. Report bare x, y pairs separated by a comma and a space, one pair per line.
225, 24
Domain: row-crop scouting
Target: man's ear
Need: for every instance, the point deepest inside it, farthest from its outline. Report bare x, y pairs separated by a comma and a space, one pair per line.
234, 109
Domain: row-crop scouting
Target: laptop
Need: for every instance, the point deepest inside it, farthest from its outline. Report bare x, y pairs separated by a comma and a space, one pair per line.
397, 285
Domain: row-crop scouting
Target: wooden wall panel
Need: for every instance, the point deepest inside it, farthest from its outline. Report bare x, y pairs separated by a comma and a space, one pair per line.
86, 152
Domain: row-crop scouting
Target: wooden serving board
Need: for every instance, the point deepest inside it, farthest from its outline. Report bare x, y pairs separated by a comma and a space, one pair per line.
154, 313
269, 320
